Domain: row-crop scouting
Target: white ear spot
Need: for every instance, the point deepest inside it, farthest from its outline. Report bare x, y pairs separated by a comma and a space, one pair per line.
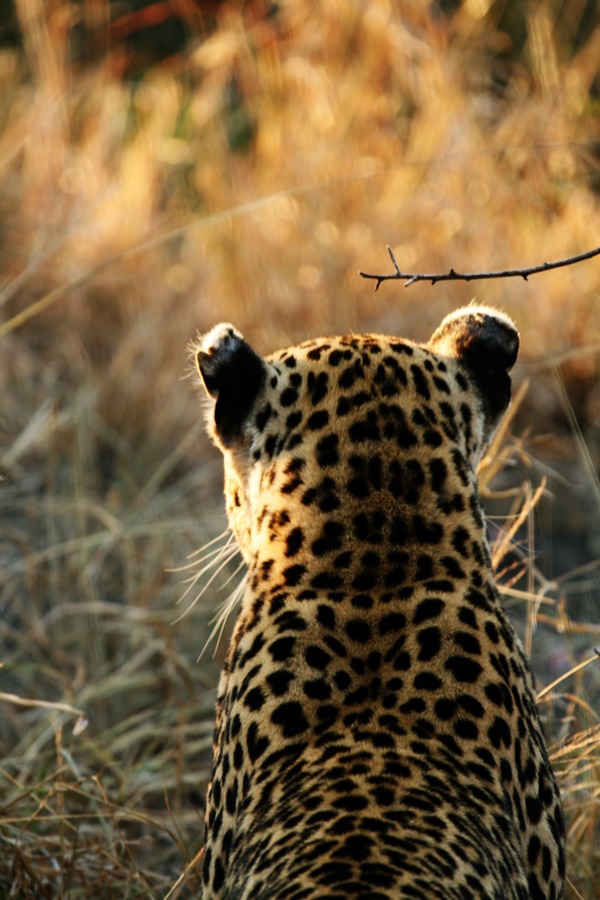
216, 351
222, 340
233, 374
483, 337
479, 312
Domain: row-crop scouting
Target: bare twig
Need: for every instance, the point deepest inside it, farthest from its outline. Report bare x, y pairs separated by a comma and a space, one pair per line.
474, 276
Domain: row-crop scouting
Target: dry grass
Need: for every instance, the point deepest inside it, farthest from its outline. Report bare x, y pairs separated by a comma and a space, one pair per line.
249, 178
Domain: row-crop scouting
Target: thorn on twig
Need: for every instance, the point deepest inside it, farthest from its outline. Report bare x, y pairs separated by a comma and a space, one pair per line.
393, 258
410, 278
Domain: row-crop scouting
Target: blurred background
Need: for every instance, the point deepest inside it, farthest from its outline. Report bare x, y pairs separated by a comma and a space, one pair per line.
168, 165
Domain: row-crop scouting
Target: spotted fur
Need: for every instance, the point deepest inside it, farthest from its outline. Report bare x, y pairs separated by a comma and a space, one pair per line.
376, 732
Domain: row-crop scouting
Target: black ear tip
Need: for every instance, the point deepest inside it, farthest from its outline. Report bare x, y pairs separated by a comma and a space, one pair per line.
233, 374
216, 351
480, 335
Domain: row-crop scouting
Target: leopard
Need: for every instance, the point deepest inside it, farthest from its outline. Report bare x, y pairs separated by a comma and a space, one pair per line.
376, 731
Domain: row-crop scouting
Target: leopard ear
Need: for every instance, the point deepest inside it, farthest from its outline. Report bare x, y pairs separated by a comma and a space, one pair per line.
233, 374
487, 341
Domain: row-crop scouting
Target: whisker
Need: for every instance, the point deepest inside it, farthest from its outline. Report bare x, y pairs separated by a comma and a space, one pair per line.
214, 552
222, 616
205, 587
224, 554
226, 531
232, 576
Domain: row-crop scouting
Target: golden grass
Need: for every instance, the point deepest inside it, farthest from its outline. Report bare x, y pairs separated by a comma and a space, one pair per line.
250, 178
